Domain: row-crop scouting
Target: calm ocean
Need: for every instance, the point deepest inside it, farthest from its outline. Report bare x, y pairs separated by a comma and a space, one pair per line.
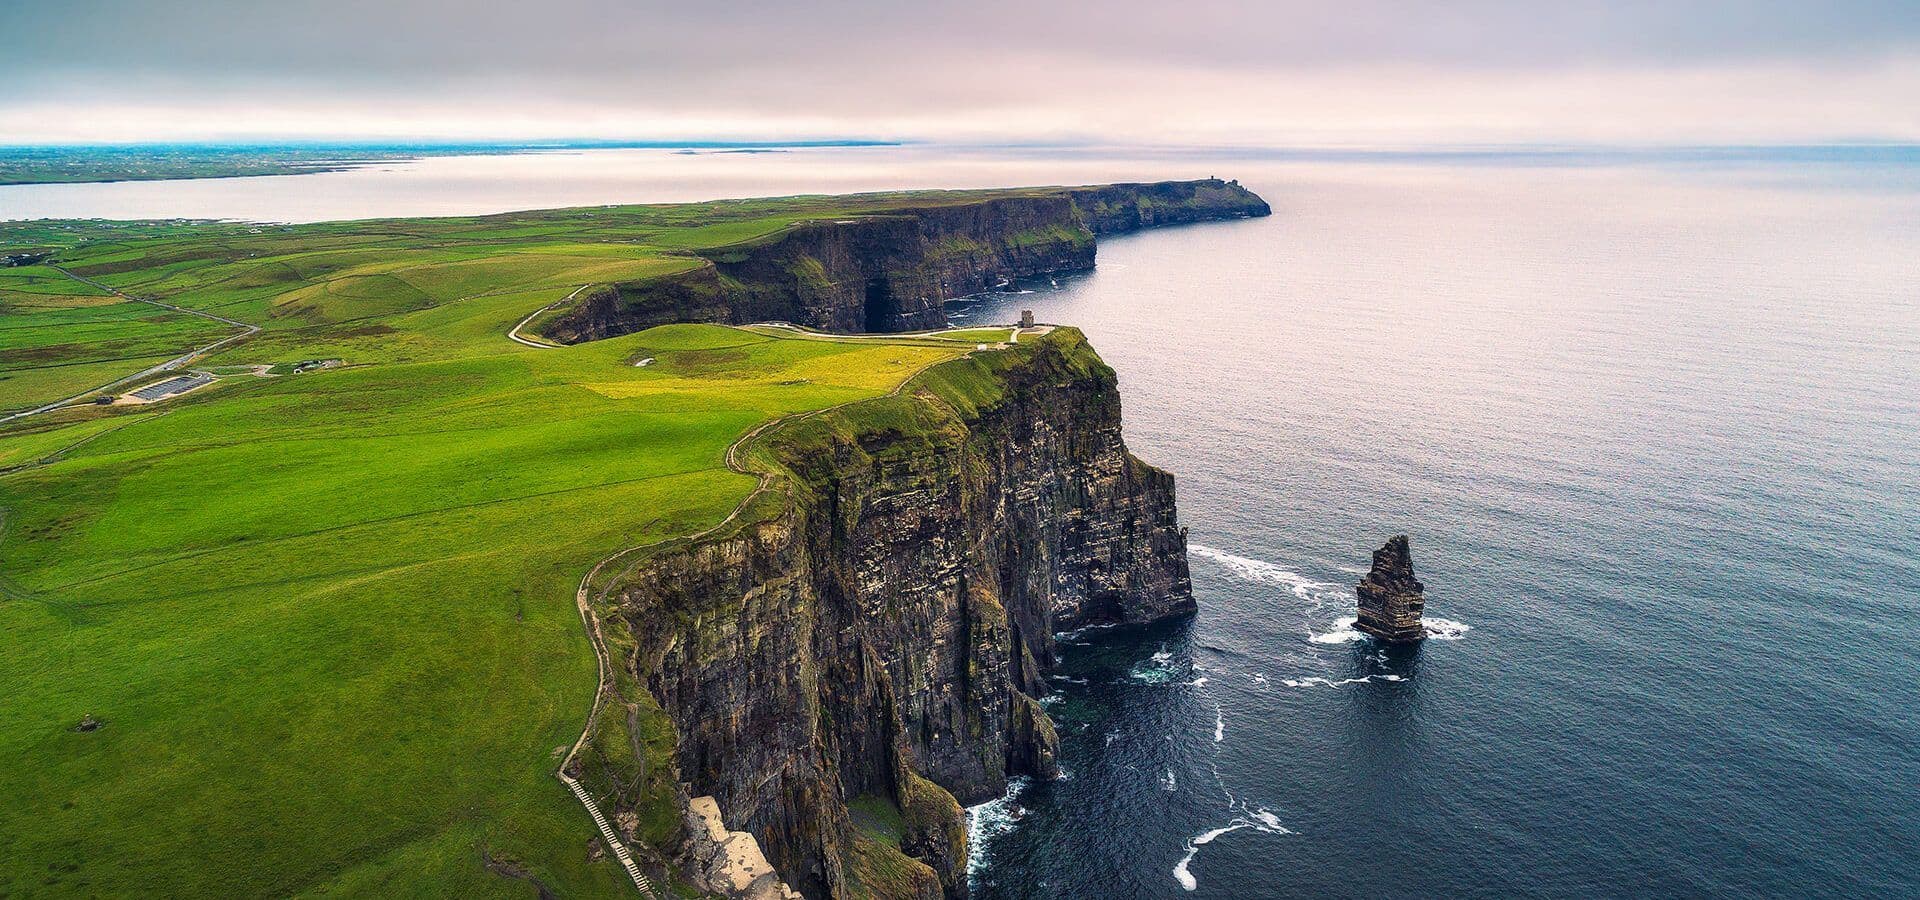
1652, 421
1655, 433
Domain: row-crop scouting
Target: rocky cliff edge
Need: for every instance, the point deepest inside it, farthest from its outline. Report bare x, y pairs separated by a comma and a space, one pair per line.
890, 270
858, 653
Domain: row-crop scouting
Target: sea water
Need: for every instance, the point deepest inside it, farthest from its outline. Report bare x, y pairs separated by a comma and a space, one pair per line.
1649, 418
1654, 431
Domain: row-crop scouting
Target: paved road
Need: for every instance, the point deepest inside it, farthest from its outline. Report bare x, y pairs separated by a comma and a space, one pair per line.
168, 366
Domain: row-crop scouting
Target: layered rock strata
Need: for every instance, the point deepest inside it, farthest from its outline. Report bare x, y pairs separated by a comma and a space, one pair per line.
1391, 599
891, 270
862, 654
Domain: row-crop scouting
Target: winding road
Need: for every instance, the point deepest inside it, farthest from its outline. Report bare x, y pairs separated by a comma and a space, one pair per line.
168, 366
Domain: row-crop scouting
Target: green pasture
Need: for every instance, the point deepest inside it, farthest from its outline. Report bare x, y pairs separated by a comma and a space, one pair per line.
327, 620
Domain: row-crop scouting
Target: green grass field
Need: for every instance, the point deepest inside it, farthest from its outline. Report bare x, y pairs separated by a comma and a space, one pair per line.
59, 336
328, 619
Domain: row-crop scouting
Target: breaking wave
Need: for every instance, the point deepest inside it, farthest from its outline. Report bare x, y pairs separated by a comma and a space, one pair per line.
1155, 669
1343, 633
990, 820
1319, 594
1260, 570
1330, 682
1258, 820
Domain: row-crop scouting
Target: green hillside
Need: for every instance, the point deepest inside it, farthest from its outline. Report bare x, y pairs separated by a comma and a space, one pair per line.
326, 620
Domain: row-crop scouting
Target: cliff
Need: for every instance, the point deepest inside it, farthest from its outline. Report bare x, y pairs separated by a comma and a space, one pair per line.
1119, 208
892, 270
859, 653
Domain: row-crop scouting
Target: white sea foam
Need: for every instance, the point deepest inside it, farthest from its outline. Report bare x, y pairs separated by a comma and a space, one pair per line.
1219, 725
1081, 631
1262, 820
1329, 682
1319, 594
1262, 571
1168, 782
992, 819
1343, 632
1155, 669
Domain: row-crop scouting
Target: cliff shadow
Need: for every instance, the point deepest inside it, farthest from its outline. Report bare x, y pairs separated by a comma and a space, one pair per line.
881, 309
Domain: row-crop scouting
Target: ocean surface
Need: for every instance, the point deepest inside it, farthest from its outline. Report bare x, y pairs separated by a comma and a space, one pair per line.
1651, 420
1655, 434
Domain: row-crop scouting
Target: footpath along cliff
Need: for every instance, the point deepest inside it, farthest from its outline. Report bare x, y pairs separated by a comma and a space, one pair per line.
803, 699
892, 270
859, 653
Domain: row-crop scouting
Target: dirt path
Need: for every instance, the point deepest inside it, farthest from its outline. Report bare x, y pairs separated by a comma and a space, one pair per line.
513, 334
584, 600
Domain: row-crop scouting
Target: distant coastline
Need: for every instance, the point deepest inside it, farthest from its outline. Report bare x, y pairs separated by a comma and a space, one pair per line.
100, 164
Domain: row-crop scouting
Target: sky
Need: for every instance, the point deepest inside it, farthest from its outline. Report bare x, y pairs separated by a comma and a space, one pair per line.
1178, 72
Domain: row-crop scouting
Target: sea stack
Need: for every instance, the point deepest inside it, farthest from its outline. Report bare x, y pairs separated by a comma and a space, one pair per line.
1390, 597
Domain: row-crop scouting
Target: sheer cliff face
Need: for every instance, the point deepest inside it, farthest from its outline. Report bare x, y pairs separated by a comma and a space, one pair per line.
886, 632
891, 271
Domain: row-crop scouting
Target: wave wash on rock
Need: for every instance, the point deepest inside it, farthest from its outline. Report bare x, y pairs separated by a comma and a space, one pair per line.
858, 653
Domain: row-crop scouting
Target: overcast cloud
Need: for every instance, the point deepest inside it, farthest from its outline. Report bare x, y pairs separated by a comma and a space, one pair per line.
1189, 71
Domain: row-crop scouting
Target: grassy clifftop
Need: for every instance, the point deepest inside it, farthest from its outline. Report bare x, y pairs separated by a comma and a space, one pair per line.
328, 619
400, 289
325, 621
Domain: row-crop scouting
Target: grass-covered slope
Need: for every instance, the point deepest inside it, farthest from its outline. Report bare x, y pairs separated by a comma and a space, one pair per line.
62, 331
400, 284
326, 620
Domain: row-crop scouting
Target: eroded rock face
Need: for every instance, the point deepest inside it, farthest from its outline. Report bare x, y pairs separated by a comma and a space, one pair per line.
1391, 599
887, 633
892, 271
729, 863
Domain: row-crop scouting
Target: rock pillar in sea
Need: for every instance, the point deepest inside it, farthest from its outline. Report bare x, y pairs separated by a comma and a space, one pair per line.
1391, 599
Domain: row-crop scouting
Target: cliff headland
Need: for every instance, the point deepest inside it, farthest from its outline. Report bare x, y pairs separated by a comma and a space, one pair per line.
359, 634
891, 270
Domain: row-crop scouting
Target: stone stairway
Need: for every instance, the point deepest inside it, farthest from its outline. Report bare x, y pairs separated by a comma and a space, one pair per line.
612, 838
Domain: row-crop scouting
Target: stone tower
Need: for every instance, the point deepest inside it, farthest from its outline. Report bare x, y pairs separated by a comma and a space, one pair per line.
1391, 599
